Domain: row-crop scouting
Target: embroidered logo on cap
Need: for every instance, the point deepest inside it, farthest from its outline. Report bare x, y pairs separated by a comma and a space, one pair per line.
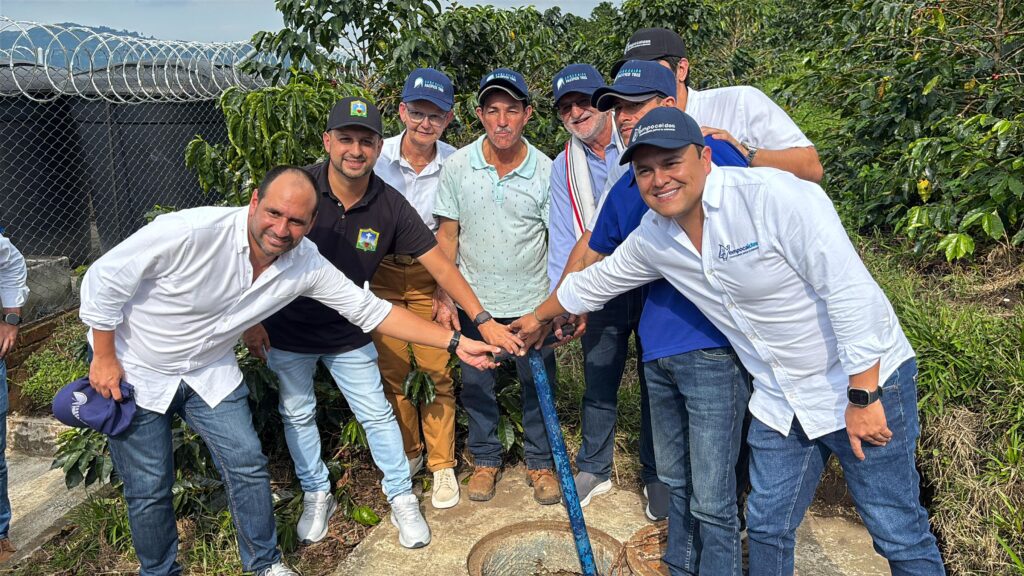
631, 72
421, 83
367, 239
76, 405
500, 76
635, 45
358, 108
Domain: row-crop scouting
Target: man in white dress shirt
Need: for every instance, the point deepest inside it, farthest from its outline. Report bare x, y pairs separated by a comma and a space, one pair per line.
13, 293
764, 256
166, 307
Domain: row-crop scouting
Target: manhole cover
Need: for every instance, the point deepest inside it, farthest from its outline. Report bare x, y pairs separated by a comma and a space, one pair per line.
539, 549
645, 548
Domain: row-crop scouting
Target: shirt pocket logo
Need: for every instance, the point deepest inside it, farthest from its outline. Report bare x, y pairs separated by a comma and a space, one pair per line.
726, 251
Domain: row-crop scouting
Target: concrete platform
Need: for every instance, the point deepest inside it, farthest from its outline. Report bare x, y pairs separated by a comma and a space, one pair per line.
39, 501
826, 546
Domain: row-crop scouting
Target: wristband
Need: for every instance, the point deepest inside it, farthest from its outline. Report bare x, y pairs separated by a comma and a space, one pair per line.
454, 343
537, 318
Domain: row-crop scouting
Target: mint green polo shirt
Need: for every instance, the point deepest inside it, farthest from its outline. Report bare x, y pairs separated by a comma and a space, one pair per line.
503, 227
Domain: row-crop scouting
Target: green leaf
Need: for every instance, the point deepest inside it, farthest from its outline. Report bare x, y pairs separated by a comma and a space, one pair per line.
365, 516
992, 224
930, 85
956, 246
1015, 186
506, 434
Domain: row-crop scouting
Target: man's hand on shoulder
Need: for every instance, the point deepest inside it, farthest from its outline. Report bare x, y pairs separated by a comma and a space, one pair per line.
257, 341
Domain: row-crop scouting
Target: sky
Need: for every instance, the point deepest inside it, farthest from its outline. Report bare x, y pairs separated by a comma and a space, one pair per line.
201, 20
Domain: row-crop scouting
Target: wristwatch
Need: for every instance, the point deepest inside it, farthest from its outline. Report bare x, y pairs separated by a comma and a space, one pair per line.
863, 398
751, 152
482, 317
12, 319
454, 343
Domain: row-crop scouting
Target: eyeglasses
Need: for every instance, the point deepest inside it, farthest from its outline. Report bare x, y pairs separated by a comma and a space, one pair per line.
565, 108
418, 116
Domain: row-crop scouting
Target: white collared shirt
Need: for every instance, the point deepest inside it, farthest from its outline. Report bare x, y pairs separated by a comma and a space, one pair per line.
179, 292
780, 278
419, 189
13, 276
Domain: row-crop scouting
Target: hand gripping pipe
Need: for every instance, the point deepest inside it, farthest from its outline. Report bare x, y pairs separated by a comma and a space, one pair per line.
572, 501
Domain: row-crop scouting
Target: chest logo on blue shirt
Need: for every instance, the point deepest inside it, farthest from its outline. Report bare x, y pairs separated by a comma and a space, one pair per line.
726, 251
367, 239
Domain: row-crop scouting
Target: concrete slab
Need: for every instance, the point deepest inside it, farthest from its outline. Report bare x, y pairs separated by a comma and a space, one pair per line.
825, 547
39, 501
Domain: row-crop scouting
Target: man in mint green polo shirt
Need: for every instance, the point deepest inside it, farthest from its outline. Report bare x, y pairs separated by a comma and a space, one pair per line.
492, 205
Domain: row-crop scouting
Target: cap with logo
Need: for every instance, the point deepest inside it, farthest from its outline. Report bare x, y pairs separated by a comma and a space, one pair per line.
636, 81
582, 78
431, 85
663, 127
355, 111
652, 44
78, 404
507, 80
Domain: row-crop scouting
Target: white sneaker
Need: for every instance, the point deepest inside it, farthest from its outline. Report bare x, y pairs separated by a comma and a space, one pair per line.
279, 569
317, 508
413, 531
446, 489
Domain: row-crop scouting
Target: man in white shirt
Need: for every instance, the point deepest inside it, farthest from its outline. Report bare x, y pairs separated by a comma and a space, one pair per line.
13, 293
411, 163
166, 307
764, 256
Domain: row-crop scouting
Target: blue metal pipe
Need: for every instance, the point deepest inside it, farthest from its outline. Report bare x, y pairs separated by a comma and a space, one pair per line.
572, 501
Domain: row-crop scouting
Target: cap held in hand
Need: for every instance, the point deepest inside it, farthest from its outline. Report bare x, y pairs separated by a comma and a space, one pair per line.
81, 406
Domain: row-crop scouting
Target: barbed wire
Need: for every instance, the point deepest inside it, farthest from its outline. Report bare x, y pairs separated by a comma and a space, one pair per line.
45, 61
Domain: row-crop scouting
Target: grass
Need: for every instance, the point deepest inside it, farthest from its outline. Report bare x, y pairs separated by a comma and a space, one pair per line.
55, 364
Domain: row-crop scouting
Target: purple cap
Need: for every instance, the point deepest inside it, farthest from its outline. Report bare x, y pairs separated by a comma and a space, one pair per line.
636, 81
430, 85
79, 405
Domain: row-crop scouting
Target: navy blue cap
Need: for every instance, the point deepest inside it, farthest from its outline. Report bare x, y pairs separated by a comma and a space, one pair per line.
637, 80
582, 78
78, 404
504, 79
431, 85
664, 127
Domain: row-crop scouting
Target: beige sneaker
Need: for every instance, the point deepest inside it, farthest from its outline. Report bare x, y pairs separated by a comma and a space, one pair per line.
446, 489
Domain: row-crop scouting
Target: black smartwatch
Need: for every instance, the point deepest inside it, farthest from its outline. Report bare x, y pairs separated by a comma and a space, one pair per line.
863, 398
12, 319
454, 343
482, 317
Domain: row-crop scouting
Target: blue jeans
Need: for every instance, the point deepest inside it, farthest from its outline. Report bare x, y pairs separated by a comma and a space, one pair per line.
481, 404
785, 470
356, 374
698, 400
605, 346
144, 458
5, 502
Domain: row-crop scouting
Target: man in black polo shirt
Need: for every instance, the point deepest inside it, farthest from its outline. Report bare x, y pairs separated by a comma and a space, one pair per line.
360, 221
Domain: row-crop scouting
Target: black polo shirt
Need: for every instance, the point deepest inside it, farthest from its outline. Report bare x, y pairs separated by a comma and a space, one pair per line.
355, 241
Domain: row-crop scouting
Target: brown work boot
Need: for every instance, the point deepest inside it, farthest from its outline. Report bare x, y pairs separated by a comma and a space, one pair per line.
481, 483
6, 550
545, 487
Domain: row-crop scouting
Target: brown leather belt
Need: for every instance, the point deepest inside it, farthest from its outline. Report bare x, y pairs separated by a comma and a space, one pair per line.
403, 259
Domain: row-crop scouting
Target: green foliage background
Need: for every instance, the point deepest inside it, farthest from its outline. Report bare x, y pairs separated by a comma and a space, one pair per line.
915, 107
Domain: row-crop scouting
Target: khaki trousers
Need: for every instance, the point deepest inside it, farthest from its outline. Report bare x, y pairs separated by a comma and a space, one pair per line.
411, 286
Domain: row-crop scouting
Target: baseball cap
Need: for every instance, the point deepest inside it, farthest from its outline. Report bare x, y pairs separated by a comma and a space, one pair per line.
431, 85
355, 111
652, 44
507, 80
78, 404
663, 127
636, 81
582, 78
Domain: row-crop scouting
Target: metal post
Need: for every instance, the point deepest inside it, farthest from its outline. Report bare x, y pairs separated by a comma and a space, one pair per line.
572, 501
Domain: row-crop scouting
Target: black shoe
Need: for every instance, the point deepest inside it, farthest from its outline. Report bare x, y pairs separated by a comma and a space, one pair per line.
657, 501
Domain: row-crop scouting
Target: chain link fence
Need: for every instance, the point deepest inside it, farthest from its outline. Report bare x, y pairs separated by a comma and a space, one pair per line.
93, 128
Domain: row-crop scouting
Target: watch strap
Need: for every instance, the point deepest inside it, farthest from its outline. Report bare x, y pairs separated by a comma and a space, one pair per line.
12, 318
482, 317
454, 343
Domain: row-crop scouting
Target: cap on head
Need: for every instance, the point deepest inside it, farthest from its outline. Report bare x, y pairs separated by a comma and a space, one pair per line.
431, 85
636, 81
664, 127
78, 404
582, 78
652, 44
507, 80
355, 111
